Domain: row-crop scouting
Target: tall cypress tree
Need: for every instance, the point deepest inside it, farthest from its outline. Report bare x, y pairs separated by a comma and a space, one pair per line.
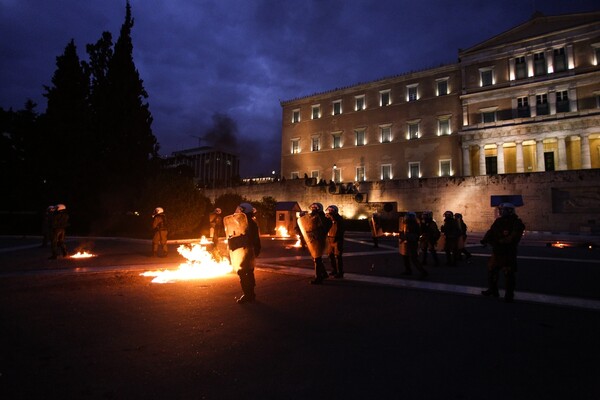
66, 126
131, 146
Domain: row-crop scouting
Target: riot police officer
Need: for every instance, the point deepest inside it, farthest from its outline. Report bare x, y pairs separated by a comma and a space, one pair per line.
335, 240
504, 236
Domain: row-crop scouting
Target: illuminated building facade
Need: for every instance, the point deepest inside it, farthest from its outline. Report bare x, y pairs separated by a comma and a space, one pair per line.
527, 100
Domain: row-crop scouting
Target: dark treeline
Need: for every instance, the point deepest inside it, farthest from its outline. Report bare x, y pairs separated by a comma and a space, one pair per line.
92, 149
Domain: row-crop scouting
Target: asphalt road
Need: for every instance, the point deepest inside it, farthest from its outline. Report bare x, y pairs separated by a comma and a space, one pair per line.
96, 329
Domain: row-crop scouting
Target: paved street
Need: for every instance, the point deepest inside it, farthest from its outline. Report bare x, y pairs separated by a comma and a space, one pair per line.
96, 329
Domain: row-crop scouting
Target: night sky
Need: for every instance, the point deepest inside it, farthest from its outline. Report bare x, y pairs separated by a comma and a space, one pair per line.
240, 58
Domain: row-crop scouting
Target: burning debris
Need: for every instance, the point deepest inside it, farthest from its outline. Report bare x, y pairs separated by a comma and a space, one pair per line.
83, 254
200, 265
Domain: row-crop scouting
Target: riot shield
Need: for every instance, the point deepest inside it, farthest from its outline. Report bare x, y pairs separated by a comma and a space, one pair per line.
375, 224
312, 231
236, 227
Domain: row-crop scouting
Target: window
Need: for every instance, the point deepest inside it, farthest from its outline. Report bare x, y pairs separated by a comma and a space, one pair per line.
295, 175
296, 116
444, 126
412, 93
488, 116
386, 171
316, 111
539, 64
337, 140
414, 170
413, 130
445, 167
486, 76
295, 146
337, 107
360, 137
337, 175
560, 60
360, 174
541, 104
384, 98
315, 144
523, 107
386, 133
442, 87
359, 103
562, 101
314, 174
520, 68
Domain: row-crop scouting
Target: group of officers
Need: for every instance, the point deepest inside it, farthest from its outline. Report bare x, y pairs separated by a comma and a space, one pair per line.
322, 230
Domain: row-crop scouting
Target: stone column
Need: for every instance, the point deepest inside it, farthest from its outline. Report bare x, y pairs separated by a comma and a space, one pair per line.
482, 170
466, 161
562, 154
586, 159
520, 166
500, 157
539, 155
552, 102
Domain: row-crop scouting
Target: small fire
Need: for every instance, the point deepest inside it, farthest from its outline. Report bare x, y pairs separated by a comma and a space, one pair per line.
560, 245
200, 265
204, 240
282, 231
85, 254
298, 242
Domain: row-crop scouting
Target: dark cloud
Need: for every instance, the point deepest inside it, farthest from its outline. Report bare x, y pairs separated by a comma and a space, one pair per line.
239, 58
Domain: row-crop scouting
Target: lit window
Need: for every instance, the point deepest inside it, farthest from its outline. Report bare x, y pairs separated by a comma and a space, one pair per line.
314, 174
386, 134
444, 126
414, 170
360, 137
412, 93
384, 98
445, 167
295, 146
337, 175
386, 171
360, 174
337, 140
360, 103
413, 130
315, 144
486, 76
442, 87
316, 112
337, 107
295, 175
296, 116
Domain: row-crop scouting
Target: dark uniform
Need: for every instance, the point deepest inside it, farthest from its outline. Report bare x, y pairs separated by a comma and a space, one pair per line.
246, 271
451, 232
59, 223
323, 224
335, 240
430, 234
462, 242
410, 231
159, 227
504, 236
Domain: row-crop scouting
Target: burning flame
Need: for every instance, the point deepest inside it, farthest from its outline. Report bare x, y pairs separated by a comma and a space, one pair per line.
85, 254
200, 265
282, 231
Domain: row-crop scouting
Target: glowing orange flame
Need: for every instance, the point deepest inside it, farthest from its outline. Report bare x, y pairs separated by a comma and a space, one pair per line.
200, 265
85, 254
282, 231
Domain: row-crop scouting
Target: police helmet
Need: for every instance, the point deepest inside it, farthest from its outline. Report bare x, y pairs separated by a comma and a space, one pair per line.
316, 207
60, 207
218, 210
245, 208
158, 210
458, 215
506, 209
448, 214
332, 209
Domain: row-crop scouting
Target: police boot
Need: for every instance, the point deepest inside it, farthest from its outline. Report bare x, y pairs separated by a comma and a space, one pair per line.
320, 272
492, 285
509, 295
334, 266
340, 267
